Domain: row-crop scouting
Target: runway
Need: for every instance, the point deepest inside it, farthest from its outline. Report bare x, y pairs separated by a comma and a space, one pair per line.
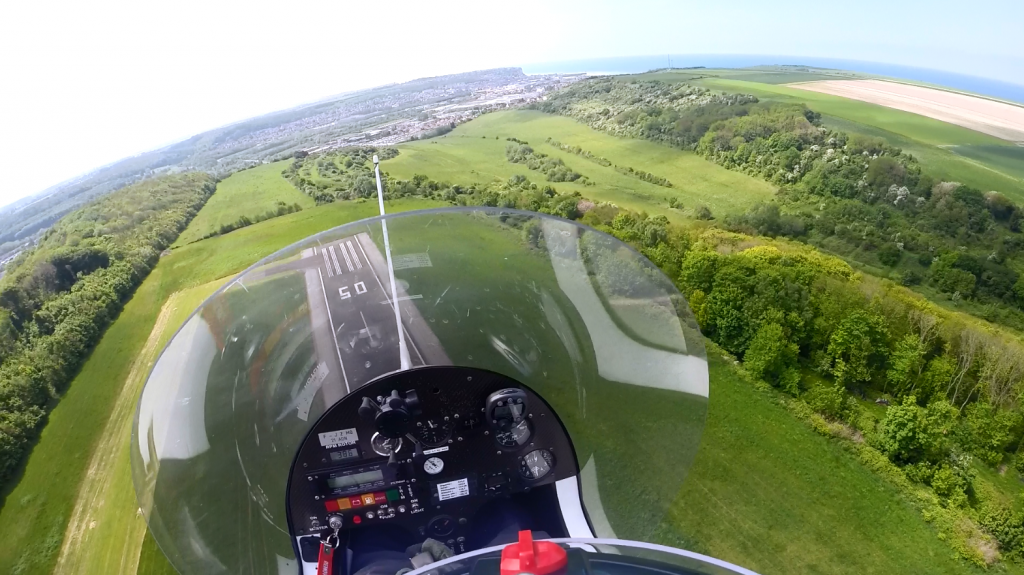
355, 336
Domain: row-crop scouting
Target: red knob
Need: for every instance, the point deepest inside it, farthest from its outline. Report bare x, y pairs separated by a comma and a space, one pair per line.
527, 556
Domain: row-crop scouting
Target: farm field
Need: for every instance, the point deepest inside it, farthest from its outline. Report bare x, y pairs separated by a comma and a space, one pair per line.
950, 152
248, 193
760, 74
999, 119
472, 154
39, 506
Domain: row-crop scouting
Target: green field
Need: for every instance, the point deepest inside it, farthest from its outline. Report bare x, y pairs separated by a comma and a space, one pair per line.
248, 193
471, 154
947, 151
39, 506
763, 74
1006, 159
769, 494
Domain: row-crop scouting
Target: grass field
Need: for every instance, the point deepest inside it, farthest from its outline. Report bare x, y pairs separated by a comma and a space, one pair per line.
947, 151
105, 529
247, 193
39, 506
762, 75
768, 493
471, 154
991, 169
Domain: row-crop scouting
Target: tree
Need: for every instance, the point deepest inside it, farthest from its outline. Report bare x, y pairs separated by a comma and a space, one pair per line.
703, 213
905, 363
987, 432
855, 346
936, 377
884, 172
910, 434
770, 356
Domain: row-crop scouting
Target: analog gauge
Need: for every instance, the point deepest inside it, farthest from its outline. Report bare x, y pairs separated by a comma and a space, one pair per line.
384, 445
441, 526
536, 464
433, 466
434, 431
515, 436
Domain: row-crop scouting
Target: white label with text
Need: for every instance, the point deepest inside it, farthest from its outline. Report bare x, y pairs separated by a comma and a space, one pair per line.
342, 437
453, 489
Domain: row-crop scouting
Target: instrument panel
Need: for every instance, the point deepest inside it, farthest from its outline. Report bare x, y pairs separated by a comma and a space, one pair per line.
425, 449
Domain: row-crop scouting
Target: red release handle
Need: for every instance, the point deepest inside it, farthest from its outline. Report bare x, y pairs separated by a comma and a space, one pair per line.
540, 558
325, 563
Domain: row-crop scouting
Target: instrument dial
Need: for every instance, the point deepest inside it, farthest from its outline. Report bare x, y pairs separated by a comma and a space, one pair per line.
434, 431
515, 436
385, 445
433, 466
536, 464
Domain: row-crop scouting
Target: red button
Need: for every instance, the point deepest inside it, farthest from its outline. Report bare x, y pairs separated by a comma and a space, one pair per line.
356, 501
357, 520
379, 497
331, 505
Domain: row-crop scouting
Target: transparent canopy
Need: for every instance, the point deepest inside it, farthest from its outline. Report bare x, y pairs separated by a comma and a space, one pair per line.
573, 314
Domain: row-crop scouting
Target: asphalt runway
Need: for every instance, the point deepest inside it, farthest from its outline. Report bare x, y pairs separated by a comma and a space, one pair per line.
355, 336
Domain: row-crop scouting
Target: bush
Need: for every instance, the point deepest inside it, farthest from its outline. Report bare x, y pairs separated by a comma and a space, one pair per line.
703, 213
889, 255
827, 399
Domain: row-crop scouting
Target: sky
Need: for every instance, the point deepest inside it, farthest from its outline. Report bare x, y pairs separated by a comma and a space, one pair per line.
83, 84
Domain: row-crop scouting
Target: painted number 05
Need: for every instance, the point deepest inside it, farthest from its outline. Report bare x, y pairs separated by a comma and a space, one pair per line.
345, 294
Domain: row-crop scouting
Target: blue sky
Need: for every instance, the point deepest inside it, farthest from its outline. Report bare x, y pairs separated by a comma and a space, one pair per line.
85, 84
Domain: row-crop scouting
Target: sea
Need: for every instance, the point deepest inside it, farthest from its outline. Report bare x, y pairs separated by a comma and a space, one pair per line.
635, 64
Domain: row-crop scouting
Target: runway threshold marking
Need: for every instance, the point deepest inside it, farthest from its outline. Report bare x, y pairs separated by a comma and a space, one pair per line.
334, 336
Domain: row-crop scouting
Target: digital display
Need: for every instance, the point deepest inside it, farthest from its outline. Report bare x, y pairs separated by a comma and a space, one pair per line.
346, 481
345, 454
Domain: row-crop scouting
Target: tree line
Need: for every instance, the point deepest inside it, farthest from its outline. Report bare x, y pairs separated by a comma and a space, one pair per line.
281, 209
601, 161
57, 299
520, 152
343, 174
852, 195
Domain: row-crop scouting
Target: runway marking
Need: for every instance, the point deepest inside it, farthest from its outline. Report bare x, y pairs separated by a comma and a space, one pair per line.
334, 336
442, 295
410, 337
375, 274
359, 264
334, 257
348, 260
327, 262
366, 329
403, 298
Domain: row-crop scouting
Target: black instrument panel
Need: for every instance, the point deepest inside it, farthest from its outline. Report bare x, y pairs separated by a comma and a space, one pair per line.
425, 449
